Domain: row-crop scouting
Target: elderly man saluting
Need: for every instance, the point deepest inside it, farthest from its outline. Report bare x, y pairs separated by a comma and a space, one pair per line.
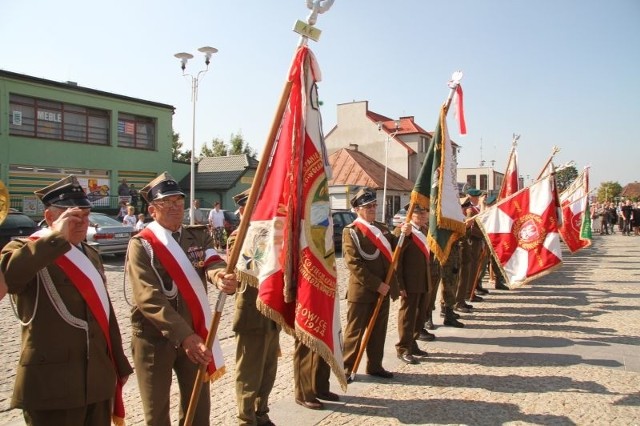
169, 266
72, 365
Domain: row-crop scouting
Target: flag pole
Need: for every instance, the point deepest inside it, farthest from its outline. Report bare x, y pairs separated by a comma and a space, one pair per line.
514, 144
554, 151
453, 85
258, 179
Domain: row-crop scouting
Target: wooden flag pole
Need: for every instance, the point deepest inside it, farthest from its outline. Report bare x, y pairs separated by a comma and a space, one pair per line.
258, 179
453, 84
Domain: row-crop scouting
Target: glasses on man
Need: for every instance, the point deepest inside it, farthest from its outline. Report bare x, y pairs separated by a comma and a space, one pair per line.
178, 202
369, 206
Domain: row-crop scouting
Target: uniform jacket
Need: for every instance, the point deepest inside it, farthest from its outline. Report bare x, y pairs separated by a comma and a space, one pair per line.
154, 315
412, 266
365, 276
55, 371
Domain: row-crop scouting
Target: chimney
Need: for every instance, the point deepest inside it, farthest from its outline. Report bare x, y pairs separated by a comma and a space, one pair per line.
353, 146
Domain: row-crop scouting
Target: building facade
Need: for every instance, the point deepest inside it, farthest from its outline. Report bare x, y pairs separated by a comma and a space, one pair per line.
50, 129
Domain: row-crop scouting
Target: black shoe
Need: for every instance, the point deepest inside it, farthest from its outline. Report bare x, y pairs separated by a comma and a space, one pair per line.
407, 359
426, 336
461, 308
468, 306
313, 404
419, 353
328, 396
482, 291
349, 378
476, 298
429, 325
451, 321
381, 373
501, 286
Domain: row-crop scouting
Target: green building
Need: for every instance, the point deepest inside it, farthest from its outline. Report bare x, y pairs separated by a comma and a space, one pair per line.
50, 129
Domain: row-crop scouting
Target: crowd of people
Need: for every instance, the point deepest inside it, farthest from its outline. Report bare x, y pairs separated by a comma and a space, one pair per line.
625, 214
170, 266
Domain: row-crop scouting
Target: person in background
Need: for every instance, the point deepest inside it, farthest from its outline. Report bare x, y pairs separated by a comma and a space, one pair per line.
169, 267
216, 225
140, 223
123, 188
198, 216
72, 364
122, 210
130, 218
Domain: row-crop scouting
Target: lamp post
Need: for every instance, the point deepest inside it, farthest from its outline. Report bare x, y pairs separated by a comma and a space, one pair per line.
195, 79
386, 168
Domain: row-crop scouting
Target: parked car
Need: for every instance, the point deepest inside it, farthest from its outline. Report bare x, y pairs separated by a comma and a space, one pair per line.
399, 218
341, 218
107, 235
16, 225
231, 220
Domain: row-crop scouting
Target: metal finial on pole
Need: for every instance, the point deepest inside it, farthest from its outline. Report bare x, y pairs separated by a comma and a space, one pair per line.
306, 28
514, 140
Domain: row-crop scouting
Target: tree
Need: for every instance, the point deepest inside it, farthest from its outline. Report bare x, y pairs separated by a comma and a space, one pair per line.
218, 149
239, 146
565, 176
608, 191
176, 149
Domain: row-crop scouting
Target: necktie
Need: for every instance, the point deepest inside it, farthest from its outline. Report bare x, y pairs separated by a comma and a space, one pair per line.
176, 236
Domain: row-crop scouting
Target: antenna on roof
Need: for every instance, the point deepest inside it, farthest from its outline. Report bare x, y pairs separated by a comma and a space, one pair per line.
481, 159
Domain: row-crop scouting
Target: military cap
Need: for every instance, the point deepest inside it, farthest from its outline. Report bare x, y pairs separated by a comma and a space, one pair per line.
472, 192
241, 198
490, 200
416, 208
162, 186
65, 193
363, 197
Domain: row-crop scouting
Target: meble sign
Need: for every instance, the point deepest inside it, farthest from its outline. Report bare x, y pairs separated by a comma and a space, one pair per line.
56, 117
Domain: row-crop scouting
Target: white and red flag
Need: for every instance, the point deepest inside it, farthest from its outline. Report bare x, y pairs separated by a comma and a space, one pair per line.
523, 232
289, 251
574, 205
510, 182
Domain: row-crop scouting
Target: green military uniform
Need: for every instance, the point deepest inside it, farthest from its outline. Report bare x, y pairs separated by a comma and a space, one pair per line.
65, 375
412, 271
257, 351
471, 253
368, 269
160, 322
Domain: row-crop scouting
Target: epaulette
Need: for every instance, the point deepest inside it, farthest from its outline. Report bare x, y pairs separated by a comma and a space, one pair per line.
195, 227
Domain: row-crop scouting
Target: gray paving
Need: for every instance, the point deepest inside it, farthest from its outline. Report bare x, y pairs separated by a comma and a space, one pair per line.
563, 351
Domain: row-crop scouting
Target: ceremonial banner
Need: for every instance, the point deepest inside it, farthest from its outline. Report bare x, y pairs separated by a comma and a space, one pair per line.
523, 232
574, 213
288, 251
436, 187
510, 182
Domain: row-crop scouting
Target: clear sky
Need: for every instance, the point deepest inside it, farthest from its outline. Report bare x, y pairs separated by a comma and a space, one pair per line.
562, 73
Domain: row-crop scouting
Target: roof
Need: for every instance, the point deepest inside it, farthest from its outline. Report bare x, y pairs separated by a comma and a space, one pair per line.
70, 85
407, 126
352, 167
219, 173
631, 190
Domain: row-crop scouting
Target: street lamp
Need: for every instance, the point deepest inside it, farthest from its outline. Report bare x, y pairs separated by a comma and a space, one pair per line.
386, 167
195, 79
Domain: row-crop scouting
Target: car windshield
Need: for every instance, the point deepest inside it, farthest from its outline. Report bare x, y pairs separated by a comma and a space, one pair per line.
103, 220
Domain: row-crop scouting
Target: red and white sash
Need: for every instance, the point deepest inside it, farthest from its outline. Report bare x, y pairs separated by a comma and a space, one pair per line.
189, 283
421, 240
91, 286
375, 236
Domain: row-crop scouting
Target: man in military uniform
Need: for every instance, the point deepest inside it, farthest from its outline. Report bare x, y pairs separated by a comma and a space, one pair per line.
450, 271
367, 248
166, 262
471, 250
311, 376
72, 365
257, 348
416, 280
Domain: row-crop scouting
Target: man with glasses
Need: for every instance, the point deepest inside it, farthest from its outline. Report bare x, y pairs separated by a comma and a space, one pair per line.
72, 365
367, 248
169, 266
